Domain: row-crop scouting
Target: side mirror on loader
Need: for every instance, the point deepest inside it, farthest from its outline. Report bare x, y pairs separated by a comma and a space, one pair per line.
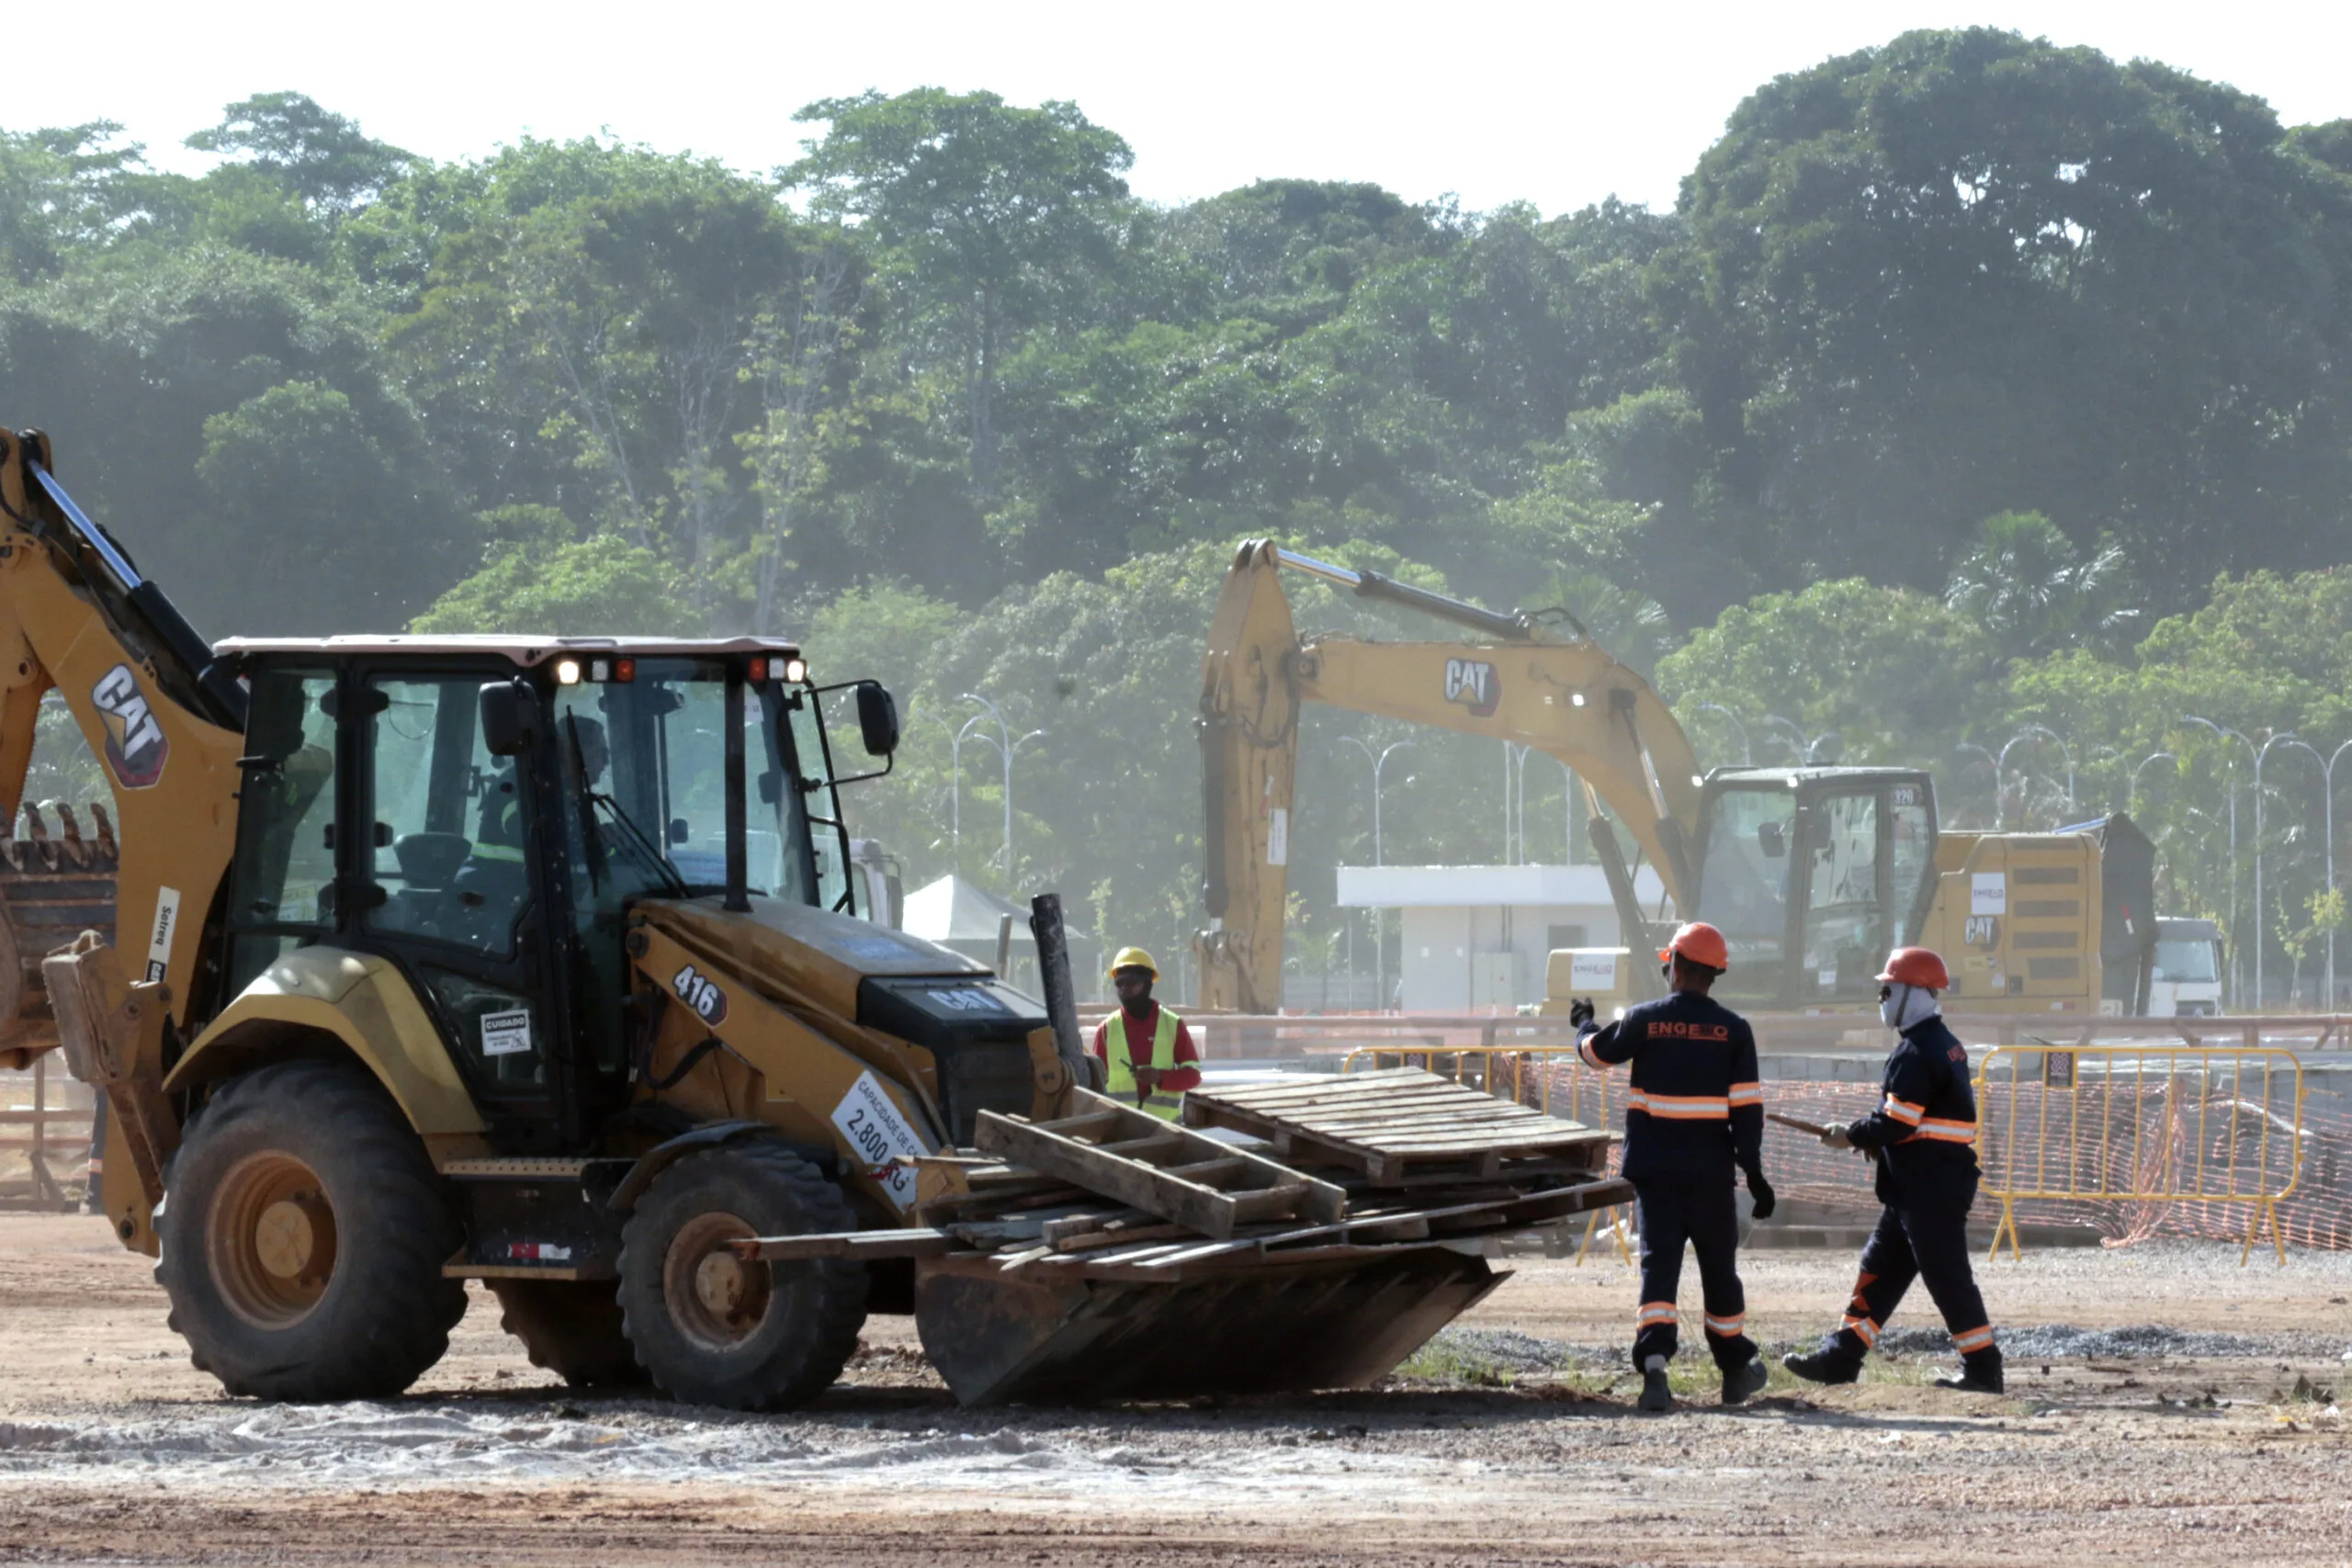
510, 712
878, 719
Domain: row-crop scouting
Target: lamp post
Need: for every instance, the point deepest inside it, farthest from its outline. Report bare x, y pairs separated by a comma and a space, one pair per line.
1006, 746
1379, 915
2327, 835
955, 777
1746, 754
1993, 765
2285, 738
2028, 733
2221, 732
2131, 787
1804, 746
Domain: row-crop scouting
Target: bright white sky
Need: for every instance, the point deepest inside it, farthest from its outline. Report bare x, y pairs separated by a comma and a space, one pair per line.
1561, 104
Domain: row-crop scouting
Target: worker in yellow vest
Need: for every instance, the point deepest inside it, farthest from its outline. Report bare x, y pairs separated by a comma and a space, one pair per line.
1148, 1053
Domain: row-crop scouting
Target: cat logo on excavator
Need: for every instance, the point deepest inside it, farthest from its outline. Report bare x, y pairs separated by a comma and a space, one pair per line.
1475, 683
136, 745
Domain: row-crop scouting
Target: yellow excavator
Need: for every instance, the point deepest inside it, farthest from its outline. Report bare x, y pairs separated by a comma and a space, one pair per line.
541, 962
1813, 872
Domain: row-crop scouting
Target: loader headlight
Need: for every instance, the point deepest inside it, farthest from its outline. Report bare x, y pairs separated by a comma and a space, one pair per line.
567, 671
795, 671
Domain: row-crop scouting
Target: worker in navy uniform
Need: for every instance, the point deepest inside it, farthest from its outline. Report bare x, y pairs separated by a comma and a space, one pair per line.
1923, 1136
1694, 1113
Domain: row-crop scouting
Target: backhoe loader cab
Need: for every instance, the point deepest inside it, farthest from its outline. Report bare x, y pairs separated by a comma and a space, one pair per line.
1813, 874
543, 962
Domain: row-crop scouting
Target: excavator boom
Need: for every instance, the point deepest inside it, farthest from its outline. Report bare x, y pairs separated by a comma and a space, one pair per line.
1567, 698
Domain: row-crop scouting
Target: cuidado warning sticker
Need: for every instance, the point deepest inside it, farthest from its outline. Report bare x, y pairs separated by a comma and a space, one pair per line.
878, 1134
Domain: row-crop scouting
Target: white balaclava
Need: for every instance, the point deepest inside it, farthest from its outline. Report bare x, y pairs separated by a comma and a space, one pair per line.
1907, 1006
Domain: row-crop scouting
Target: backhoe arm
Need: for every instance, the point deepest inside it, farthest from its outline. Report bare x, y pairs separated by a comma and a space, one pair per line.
166, 725
1569, 700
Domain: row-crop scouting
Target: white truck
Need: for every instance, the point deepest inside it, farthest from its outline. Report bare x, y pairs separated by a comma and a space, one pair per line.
2186, 981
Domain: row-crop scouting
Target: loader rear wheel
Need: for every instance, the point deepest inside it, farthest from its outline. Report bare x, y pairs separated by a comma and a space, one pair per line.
572, 1327
716, 1329
303, 1231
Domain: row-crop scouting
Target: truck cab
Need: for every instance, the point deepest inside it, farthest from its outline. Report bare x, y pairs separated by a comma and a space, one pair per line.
2185, 980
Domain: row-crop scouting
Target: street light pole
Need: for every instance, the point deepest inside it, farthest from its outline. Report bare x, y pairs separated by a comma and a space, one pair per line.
1746, 754
2223, 733
2028, 733
2131, 787
1379, 914
1804, 746
955, 777
2327, 837
2274, 740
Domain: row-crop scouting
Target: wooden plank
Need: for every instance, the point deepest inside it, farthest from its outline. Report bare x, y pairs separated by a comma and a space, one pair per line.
1291, 1104
1206, 1170
1138, 1186
916, 1242
1143, 1148
1097, 1240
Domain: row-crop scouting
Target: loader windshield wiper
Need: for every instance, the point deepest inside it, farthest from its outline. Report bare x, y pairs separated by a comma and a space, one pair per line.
634, 836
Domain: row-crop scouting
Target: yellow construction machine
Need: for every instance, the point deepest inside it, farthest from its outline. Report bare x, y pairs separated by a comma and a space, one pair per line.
1813, 872
541, 962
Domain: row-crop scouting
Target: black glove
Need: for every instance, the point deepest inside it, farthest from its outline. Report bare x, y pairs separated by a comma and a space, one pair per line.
1580, 1011
1760, 1190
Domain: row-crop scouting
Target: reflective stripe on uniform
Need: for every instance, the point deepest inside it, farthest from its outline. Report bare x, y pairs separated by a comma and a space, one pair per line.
1728, 1328
507, 852
1681, 1107
1747, 1094
1653, 1312
1945, 1132
1904, 1110
1861, 1328
1584, 1050
1973, 1340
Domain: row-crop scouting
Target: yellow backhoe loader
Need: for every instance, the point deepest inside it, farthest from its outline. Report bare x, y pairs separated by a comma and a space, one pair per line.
541, 962
1813, 872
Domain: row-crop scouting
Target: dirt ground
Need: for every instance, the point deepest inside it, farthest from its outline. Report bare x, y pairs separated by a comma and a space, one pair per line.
1515, 1443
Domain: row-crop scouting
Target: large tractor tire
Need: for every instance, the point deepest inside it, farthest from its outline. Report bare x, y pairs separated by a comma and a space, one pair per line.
572, 1328
714, 1329
303, 1231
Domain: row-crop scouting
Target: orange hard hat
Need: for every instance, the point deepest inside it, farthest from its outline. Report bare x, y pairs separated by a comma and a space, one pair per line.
1700, 944
1915, 966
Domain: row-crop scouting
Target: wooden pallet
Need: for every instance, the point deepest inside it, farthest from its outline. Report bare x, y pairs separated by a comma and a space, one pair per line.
1401, 1125
1180, 1175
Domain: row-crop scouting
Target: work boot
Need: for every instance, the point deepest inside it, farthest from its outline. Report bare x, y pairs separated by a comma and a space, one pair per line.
1980, 1374
1824, 1365
1656, 1396
1748, 1378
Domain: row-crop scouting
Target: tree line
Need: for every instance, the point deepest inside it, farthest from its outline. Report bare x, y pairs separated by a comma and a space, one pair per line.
1972, 384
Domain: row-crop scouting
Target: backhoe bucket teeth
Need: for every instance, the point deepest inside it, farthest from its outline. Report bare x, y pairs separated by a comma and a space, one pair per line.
52, 890
1051, 1335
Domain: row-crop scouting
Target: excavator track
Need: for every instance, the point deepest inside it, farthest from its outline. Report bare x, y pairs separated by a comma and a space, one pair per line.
55, 884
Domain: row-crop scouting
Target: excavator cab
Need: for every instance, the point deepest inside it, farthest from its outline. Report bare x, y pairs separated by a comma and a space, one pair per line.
1813, 874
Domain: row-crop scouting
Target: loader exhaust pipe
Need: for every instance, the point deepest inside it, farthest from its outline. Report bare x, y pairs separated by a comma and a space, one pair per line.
1053, 978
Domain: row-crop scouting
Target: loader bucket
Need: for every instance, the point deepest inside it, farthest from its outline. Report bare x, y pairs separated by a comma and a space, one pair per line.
1053, 1336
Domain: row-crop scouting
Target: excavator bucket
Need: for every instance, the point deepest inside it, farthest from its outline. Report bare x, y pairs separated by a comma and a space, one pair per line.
999, 1336
53, 886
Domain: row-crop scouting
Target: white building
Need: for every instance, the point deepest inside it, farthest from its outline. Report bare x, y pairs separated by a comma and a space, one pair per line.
1475, 937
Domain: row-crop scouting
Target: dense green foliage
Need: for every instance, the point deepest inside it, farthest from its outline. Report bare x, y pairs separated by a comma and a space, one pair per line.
1973, 383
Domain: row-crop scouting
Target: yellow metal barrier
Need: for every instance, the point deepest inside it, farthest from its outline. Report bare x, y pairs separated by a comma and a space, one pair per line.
2145, 1125
1526, 1074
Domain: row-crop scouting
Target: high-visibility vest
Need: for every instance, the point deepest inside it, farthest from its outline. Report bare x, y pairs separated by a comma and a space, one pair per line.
504, 820
1121, 1084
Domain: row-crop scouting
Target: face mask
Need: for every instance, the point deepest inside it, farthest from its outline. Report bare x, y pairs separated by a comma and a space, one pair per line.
1904, 1006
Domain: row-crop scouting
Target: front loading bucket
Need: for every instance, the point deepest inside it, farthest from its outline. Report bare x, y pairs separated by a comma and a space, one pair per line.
1053, 1336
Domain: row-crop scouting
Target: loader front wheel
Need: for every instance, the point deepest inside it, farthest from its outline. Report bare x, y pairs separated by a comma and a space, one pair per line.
717, 1329
303, 1231
572, 1328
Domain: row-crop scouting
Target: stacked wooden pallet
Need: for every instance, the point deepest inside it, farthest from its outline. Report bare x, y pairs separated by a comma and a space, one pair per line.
1364, 1166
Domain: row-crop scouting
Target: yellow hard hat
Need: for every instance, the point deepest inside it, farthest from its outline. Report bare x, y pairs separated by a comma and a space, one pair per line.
1134, 958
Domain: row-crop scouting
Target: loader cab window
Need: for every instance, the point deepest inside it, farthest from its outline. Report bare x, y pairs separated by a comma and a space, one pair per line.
1845, 904
649, 820
450, 839
1749, 851
282, 883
